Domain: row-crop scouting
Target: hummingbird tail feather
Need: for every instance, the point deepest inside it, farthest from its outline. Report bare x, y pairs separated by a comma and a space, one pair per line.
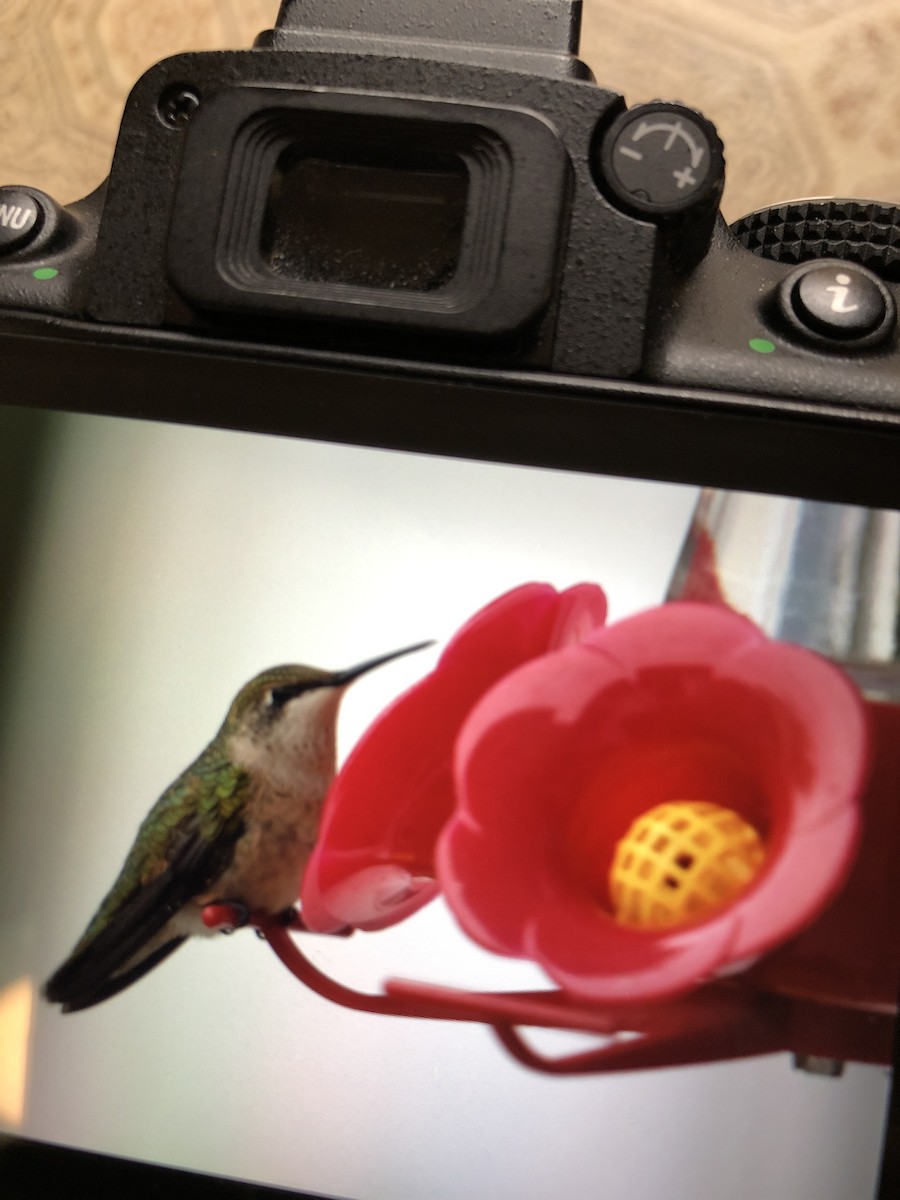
118, 983
132, 940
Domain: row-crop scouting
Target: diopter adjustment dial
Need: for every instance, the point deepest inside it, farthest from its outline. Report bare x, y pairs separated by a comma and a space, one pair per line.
661, 161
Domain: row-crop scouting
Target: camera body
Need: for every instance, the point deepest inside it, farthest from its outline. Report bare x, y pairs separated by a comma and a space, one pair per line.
445, 197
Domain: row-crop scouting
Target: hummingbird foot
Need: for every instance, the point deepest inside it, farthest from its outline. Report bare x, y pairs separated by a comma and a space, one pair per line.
287, 918
290, 918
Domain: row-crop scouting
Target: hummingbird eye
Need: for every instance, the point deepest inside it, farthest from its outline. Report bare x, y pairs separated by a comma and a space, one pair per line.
279, 696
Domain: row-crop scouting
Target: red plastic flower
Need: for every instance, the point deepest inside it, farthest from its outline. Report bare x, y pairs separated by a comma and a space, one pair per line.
687, 702
374, 858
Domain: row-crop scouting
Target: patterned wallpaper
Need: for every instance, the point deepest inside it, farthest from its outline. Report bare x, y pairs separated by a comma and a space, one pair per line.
805, 93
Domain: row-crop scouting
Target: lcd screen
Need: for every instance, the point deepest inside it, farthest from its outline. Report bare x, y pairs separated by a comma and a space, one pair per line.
155, 569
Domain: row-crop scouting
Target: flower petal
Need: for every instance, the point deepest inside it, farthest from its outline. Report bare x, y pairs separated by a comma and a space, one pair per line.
395, 791
686, 702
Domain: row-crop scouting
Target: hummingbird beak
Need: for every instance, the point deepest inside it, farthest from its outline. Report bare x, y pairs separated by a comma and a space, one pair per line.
342, 678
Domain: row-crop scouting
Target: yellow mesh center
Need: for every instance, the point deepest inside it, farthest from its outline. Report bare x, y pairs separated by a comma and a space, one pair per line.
682, 861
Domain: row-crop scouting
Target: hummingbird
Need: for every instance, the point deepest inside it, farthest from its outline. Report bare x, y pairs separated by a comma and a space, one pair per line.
236, 827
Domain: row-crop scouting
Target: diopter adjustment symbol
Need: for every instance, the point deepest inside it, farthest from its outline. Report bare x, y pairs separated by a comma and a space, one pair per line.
662, 159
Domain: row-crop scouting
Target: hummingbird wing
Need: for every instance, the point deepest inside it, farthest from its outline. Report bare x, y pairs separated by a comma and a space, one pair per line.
183, 846
118, 983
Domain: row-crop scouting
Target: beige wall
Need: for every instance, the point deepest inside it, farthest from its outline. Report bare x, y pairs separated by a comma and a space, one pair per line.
805, 93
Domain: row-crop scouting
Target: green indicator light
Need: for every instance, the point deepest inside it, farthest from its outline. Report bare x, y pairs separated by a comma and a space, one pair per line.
45, 273
761, 345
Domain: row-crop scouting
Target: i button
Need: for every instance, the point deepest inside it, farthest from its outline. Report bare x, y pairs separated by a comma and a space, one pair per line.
837, 301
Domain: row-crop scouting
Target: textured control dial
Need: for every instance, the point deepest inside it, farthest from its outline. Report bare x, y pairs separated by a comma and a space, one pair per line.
856, 231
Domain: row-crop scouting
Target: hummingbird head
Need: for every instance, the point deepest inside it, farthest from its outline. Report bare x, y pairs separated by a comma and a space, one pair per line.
283, 721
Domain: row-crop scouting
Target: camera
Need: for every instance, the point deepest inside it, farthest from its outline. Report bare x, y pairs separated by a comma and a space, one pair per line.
441, 205
373, 327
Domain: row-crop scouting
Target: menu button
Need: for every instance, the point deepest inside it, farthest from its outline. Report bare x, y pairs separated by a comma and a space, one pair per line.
21, 217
